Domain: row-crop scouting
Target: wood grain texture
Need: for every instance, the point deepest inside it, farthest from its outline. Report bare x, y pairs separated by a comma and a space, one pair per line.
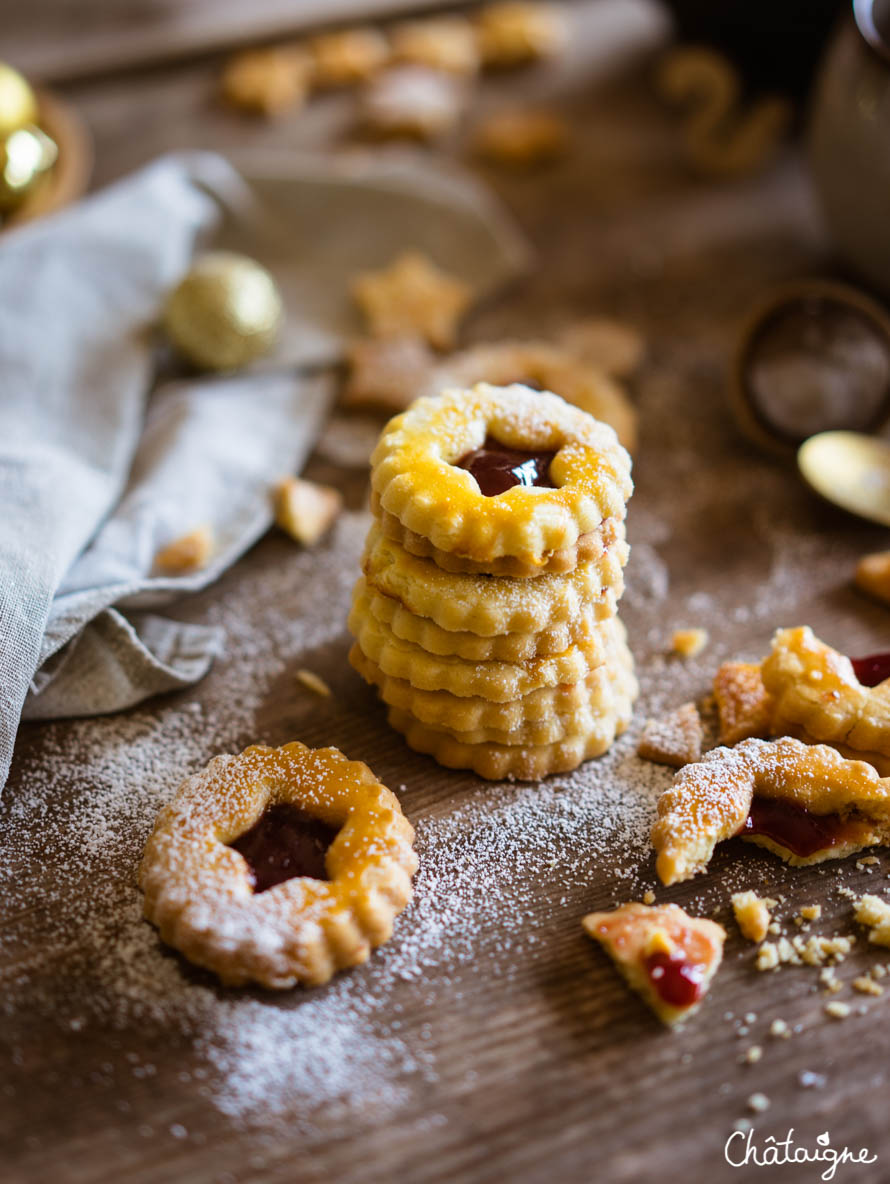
552, 1071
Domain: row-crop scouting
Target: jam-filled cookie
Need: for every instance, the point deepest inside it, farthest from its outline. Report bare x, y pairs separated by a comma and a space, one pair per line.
596, 695
279, 866
806, 689
507, 647
835, 699
500, 471
543, 367
491, 606
594, 547
806, 803
666, 956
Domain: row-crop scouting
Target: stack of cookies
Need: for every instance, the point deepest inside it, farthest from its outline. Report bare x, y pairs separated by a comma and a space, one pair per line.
486, 615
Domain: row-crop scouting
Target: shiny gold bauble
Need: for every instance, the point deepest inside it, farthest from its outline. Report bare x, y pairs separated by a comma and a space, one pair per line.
225, 312
18, 103
25, 155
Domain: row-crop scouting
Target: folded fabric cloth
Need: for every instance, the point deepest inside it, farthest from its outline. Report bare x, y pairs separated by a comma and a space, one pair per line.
97, 472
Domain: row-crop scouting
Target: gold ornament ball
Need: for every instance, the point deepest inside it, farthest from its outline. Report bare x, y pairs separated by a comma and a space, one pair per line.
25, 155
18, 103
225, 313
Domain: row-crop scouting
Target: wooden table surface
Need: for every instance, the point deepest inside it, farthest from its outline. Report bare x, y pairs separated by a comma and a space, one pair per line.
491, 1041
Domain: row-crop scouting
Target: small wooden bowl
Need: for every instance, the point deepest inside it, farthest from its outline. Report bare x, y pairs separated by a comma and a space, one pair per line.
69, 177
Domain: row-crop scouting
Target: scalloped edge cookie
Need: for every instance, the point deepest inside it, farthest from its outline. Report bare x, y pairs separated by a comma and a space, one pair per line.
499, 682
491, 605
508, 647
590, 548
710, 801
441, 710
198, 890
513, 762
415, 475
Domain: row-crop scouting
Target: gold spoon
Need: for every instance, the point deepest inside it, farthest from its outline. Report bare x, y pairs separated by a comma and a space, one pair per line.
851, 470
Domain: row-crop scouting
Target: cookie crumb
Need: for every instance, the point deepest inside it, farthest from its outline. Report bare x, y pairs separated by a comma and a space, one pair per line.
190, 552
689, 643
648, 896
314, 682
752, 914
837, 1010
304, 510
767, 956
874, 912
811, 912
866, 985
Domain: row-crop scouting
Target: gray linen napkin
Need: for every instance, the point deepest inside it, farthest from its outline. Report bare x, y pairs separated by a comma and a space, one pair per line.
97, 471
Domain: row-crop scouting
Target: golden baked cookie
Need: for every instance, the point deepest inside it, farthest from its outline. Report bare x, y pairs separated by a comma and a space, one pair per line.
412, 102
507, 647
348, 56
589, 548
279, 866
666, 956
815, 688
441, 43
550, 708
873, 575
267, 81
488, 605
516, 32
544, 367
495, 471
412, 296
744, 709
514, 762
497, 681
804, 802
522, 139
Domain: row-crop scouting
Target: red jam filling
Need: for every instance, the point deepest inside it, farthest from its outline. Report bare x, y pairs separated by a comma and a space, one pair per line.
872, 669
678, 982
498, 468
283, 843
794, 827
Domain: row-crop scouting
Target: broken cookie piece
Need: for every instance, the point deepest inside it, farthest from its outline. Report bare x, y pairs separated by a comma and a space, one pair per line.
752, 913
305, 510
874, 912
743, 706
675, 739
190, 552
873, 575
666, 956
